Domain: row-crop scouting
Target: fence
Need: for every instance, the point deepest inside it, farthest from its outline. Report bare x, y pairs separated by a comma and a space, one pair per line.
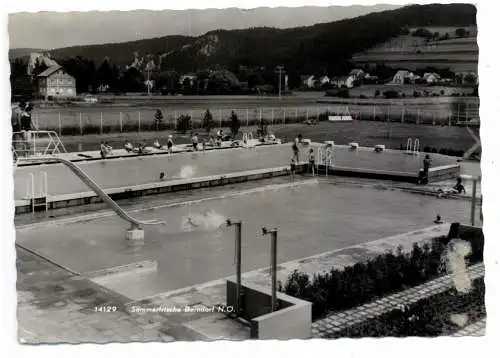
116, 121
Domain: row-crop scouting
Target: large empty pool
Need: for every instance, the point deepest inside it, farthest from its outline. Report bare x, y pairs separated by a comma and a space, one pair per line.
116, 173
312, 217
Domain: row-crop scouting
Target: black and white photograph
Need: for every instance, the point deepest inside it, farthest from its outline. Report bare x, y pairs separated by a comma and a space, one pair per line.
272, 173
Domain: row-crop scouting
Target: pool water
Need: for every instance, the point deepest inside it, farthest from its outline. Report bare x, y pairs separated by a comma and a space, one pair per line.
312, 218
115, 173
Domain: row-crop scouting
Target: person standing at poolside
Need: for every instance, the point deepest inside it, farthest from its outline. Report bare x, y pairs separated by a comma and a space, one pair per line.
295, 148
194, 140
312, 161
170, 144
427, 164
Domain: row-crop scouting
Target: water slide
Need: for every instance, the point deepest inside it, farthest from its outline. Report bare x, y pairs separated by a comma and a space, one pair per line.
476, 145
98, 190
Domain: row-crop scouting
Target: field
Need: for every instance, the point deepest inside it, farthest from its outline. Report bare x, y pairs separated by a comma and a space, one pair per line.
135, 114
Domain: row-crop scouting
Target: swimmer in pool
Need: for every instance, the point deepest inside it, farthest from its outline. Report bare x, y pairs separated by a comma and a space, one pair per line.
438, 220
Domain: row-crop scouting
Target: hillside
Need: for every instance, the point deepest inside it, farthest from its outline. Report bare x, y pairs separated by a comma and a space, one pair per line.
322, 47
414, 52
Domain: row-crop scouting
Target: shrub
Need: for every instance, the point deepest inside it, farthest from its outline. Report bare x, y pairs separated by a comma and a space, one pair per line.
340, 92
184, 124
417, 94
355, 285
391, 94
208, 121
377, 93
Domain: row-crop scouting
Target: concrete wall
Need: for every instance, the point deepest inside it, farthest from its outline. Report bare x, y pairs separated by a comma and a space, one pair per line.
87, 198
444, 172
292, 320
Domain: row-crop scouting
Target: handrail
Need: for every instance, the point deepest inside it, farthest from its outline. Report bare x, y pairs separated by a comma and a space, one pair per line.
97, 189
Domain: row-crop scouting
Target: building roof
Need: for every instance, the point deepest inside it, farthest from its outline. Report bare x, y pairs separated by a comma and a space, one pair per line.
50, 71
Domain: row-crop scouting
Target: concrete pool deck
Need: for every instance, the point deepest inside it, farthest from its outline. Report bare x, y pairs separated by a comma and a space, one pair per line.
55, 306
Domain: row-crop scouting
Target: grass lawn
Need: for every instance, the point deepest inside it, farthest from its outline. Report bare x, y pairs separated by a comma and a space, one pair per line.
364, 132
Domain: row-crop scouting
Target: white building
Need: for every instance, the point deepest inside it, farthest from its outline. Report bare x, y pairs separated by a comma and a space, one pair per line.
307, 81
343, 81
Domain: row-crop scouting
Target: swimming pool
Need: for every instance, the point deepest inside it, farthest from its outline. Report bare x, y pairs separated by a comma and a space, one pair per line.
123, 172
312, 218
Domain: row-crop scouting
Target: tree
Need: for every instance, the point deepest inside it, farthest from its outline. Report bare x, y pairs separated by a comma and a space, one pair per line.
460, 32
184, 124
158, 119
235, 124
39, 67
208, 121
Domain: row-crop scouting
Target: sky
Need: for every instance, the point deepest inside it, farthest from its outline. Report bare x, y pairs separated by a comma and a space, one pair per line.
51, 30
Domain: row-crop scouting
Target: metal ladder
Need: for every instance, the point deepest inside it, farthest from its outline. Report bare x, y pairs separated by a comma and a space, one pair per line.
37, 201
325, 158
415, 150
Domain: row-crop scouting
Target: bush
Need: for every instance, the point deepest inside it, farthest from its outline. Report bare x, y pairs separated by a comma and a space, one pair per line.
338, 290
391, 94
417, 94
377, 93
340, 92
208, 122
184, 124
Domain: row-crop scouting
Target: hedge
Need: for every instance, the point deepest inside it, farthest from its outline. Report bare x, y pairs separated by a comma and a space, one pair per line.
429, 317
363, 282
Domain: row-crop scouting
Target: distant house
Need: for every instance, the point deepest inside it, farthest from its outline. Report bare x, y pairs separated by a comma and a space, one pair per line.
431, 78
307, 81
189, 76
400, 76
343, 81
323, 80
357, 73
55, 82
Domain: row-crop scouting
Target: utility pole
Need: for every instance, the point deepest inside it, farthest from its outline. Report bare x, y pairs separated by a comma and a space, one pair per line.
279, 70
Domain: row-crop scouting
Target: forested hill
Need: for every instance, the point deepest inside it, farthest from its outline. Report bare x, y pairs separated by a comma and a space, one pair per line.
327, 46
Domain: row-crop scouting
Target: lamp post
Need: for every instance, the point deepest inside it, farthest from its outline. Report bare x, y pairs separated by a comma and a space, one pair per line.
274, 251
237, 225
279, 70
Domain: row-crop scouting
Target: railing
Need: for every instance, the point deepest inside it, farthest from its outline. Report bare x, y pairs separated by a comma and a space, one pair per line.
325, 158
41, 199
413, 147
117, 121
32, 143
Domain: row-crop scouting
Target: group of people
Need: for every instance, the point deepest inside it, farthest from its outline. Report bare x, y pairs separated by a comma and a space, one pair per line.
22, 124
296, 158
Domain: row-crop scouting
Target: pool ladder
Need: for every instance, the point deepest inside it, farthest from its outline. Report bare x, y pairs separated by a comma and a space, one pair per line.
41, 200
247, 136
415, 149
326, 158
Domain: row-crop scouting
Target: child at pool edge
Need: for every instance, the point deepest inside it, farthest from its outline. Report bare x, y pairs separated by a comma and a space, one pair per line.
170, 143
194, 140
